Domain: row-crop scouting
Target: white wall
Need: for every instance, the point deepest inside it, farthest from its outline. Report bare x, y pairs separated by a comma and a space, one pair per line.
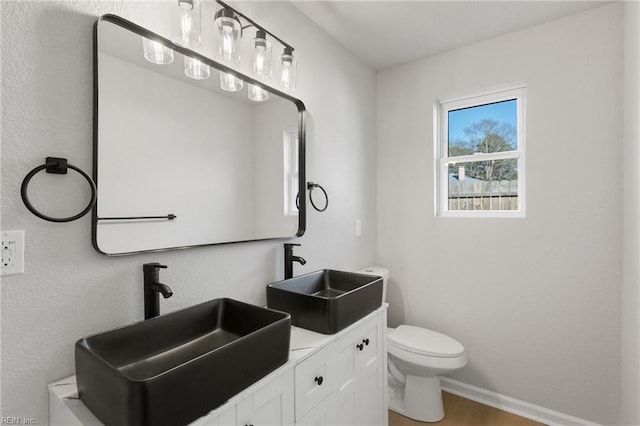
535, 301
68, 289
630, 372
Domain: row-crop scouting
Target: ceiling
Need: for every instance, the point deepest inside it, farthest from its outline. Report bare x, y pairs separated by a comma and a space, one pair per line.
389, 33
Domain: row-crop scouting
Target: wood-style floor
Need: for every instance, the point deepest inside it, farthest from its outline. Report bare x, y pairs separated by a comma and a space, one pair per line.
464, 412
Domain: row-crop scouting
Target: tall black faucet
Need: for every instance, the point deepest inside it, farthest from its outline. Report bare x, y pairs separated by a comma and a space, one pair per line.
289, 258
153, 286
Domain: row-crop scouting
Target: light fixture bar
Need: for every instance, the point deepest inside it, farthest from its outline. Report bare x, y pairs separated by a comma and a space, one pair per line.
255, 24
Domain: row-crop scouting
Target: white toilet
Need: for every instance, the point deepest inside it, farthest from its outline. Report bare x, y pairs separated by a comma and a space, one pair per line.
417, 358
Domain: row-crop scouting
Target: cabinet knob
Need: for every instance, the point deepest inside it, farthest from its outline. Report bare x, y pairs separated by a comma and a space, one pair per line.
319, 380
360, 346
366, 341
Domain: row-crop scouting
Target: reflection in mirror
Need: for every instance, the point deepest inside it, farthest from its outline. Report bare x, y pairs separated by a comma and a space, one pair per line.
180, 162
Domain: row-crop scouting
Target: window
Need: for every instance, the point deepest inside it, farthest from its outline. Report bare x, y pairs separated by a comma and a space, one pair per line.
480, 155
291, 181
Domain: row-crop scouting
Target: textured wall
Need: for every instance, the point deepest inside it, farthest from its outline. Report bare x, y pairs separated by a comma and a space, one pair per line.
630, 371
68, 289
535, 301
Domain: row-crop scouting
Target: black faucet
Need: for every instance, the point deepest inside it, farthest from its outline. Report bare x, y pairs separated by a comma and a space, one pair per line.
153, 286
289, 258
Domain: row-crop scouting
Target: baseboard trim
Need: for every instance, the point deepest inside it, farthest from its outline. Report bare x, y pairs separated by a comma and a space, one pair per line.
511, 405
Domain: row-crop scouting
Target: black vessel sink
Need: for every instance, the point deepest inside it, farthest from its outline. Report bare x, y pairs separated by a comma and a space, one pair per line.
175, 368
326, 301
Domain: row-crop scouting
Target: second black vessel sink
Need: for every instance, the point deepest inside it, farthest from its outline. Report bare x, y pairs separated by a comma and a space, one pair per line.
328, 300
175, 368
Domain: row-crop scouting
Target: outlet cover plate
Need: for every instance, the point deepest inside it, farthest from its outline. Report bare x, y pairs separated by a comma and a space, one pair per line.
12, 252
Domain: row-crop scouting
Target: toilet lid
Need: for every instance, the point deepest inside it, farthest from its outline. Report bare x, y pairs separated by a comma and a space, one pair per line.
424, 342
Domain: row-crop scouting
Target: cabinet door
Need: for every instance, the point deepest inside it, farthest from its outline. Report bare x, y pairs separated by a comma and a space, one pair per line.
344, 365
370, 372
272, 404
320, 415
313, 381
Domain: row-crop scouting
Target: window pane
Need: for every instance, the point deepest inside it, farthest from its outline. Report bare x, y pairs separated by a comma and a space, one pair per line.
484, 128
484, 185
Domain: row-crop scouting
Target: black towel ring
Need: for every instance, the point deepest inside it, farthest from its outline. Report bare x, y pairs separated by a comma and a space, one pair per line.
310, 187
57, 166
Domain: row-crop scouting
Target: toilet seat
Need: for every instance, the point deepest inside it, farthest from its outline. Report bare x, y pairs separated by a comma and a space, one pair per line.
422, 341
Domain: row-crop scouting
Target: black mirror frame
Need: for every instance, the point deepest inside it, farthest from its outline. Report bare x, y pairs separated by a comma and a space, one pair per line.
114, 19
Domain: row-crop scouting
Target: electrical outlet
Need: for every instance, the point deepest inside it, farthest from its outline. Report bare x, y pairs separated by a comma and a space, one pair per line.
12, 252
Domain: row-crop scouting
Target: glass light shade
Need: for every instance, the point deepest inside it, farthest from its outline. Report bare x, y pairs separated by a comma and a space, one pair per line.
196, 69
230, 31
261, 52
156, 53
287, 70
187, 23
230, 82
257, 93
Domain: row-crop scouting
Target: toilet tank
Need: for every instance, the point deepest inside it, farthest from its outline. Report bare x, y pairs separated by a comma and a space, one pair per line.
380, 272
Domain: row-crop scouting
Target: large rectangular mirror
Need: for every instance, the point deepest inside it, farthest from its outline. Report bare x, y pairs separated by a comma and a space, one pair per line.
179, 162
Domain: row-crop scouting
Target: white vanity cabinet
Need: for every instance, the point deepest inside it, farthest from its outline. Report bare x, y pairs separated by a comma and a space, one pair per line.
371, 373
360, 369
319, 415
344, 383
314, 380
226, 417
345, 369
270, 404
335, 379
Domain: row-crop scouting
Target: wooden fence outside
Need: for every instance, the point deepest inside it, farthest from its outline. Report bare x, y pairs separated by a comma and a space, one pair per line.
483, 195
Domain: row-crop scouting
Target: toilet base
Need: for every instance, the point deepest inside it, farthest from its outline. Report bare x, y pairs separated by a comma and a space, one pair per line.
420, 399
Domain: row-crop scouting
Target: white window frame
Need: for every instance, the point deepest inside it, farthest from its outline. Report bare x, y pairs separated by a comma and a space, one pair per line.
290, 163
442, 160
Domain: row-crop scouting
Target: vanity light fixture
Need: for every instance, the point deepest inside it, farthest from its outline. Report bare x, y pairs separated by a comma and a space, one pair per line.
195, 69
257, 93
187, 24
229, 27
231, 24
287, 72
261, 51
229, 31
187, 32
230, 82
261, 65
156, 52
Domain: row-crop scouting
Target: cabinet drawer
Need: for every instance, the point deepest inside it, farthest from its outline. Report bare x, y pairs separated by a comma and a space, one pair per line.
313, 381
